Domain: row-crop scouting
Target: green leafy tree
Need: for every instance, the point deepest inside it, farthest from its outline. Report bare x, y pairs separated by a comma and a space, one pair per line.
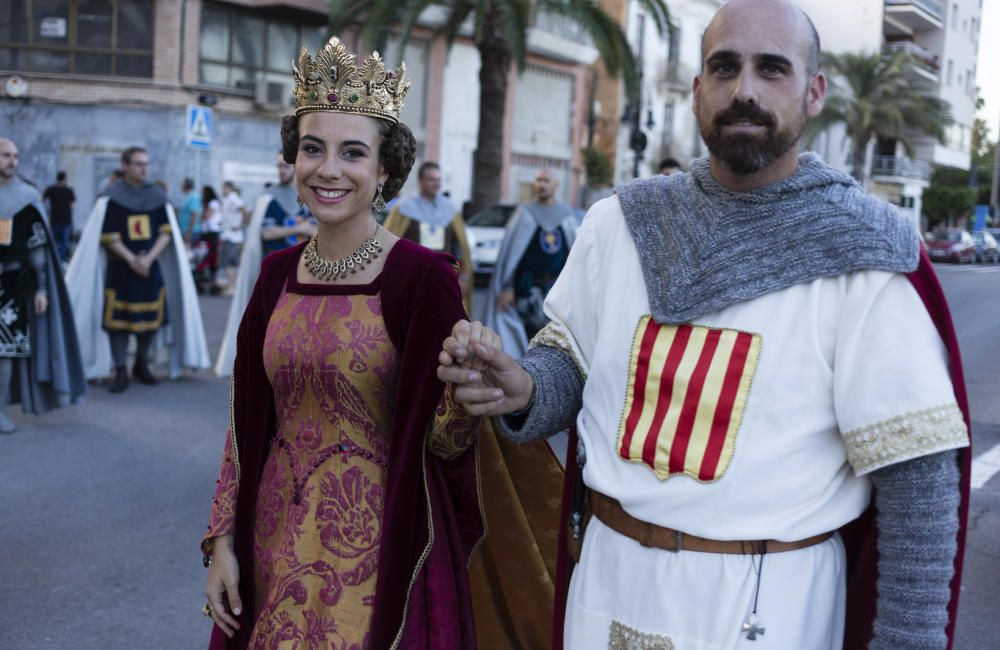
871, 96
598, 167
499, 29
946, 203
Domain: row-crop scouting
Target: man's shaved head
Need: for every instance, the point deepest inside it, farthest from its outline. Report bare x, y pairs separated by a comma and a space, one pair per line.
740, 9
8, 159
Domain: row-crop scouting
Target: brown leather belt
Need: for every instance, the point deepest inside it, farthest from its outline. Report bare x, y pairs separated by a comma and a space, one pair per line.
612, 515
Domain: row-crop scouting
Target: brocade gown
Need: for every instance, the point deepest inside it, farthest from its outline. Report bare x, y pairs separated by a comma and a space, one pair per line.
319, 511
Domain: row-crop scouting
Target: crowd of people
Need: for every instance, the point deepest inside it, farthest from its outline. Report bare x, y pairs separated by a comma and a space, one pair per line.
669, 431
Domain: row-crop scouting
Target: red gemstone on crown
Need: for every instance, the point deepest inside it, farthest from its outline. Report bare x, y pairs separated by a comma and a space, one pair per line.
332, 98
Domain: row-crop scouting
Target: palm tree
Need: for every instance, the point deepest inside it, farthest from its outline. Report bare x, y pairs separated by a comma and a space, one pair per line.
870, 95
500, 33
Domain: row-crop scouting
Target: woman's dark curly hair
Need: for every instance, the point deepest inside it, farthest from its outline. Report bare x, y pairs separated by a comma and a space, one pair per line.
396, 153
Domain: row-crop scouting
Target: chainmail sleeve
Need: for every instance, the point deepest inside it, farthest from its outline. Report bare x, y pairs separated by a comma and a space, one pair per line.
558, 396
917, 502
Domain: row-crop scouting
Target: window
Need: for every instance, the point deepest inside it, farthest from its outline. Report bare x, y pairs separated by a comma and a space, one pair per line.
954, 17
673, 51
668, 127
240, 47
951, 69
92, 37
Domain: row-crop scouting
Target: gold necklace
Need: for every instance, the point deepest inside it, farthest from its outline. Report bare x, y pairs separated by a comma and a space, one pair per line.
323, 269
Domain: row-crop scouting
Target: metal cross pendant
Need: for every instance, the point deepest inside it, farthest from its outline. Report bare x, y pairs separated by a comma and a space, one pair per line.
752, 628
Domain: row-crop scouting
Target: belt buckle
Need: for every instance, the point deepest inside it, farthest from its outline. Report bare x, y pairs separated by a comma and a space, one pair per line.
678, 542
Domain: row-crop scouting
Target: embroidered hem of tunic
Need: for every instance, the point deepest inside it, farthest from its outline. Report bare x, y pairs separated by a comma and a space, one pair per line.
623, 637
553, 336
904, 437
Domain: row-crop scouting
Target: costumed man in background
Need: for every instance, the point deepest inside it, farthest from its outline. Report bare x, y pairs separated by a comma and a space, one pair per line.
533, 252
39, 354
786, 464
135, 290
432, 220
277, 222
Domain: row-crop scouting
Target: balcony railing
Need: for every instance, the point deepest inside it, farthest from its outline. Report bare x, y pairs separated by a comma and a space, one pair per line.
931, 7
561, 26
901, 166
920, 54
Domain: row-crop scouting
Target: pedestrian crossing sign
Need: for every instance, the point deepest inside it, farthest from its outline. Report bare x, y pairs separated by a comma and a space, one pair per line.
199, 127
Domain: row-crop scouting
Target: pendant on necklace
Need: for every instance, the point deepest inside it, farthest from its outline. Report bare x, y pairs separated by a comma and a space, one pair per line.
752, 627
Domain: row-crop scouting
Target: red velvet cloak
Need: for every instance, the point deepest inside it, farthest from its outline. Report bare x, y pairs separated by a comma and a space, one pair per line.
432, 518
859, 536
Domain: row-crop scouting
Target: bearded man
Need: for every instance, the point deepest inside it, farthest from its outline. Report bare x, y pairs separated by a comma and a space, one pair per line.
763, 374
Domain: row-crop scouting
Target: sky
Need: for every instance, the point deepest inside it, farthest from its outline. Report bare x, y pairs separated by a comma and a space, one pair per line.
988, 72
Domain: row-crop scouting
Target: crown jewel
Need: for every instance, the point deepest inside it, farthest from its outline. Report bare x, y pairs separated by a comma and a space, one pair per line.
332, 82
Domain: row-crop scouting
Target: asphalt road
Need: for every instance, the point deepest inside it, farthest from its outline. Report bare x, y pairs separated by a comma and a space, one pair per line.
102, 504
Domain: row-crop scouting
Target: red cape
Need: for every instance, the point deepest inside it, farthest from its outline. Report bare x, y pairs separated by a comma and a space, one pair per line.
423, 581
860, 536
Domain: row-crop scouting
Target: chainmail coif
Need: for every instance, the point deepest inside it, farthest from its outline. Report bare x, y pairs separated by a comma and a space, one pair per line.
703, 248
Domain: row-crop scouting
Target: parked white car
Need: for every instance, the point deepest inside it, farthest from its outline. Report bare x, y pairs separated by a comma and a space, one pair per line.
485, 230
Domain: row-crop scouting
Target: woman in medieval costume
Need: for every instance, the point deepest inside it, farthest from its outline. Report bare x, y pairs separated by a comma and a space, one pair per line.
348, 502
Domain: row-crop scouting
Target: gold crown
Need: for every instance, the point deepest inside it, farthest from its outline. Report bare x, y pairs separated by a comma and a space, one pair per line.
332, 82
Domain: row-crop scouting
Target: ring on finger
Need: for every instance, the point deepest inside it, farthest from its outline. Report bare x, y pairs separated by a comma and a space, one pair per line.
207, 610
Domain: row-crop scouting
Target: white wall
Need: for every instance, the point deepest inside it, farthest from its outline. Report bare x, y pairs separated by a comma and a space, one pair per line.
459, 121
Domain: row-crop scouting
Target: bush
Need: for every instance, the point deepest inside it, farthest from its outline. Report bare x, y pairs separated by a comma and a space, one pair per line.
597, 166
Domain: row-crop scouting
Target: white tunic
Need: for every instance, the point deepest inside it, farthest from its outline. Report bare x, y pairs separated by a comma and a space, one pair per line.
759, 421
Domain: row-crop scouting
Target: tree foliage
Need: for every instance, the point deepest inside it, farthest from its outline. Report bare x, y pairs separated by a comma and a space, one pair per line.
598, 167
946, 203
500, 30
872, 97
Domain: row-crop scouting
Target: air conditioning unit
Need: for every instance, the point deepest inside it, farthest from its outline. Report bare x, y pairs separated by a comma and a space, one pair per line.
273, 94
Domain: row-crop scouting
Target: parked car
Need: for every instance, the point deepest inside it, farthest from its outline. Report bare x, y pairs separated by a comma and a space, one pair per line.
485, 230
986, 247
951, 245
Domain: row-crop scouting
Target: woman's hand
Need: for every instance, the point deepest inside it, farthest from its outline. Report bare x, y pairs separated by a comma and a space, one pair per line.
487, 380
222, 589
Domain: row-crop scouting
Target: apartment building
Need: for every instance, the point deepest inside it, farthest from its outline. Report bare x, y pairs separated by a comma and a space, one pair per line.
80, 80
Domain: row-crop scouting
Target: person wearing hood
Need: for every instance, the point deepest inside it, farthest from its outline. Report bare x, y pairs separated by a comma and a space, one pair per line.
39, 353
432, 220
129, 278
759, 363
532, 254
277, 223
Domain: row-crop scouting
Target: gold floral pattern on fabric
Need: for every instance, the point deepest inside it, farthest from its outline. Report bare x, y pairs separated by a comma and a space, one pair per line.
332, 369
623, 637
222, 518
553, 336
453, 430
905, 437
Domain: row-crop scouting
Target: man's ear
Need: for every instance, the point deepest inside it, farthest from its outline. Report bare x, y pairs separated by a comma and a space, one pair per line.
816, 95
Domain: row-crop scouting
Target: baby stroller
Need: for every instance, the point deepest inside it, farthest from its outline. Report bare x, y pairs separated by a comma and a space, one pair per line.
204, 257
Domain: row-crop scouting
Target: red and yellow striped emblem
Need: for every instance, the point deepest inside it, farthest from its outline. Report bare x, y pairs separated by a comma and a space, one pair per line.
688, 387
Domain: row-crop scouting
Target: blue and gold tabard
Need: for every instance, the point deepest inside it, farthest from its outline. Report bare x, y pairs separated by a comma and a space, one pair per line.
133, 303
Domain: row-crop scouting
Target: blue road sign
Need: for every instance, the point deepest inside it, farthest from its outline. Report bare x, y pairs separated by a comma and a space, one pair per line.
199, 127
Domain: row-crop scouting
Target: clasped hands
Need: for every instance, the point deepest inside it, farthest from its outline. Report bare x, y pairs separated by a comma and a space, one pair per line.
140, 264
487, 380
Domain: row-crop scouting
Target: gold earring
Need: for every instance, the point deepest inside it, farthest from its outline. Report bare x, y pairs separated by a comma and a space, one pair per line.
298, 199
378, 205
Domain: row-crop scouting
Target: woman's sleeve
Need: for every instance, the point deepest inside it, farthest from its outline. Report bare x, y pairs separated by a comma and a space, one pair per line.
453, 430
222, 520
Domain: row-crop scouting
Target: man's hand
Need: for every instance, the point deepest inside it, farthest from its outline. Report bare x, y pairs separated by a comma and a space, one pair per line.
140, 265
41, 303
305, 228
487, 380
505, 299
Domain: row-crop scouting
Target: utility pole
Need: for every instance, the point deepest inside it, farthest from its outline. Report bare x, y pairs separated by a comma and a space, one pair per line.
996, 181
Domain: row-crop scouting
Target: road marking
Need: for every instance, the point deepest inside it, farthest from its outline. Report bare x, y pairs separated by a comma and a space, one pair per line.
984, 466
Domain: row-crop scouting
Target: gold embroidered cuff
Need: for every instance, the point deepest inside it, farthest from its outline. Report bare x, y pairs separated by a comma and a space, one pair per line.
623, 637
553, 336
905, 437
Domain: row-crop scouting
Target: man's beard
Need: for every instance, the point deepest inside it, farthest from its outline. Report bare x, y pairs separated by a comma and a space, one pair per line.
746, 153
